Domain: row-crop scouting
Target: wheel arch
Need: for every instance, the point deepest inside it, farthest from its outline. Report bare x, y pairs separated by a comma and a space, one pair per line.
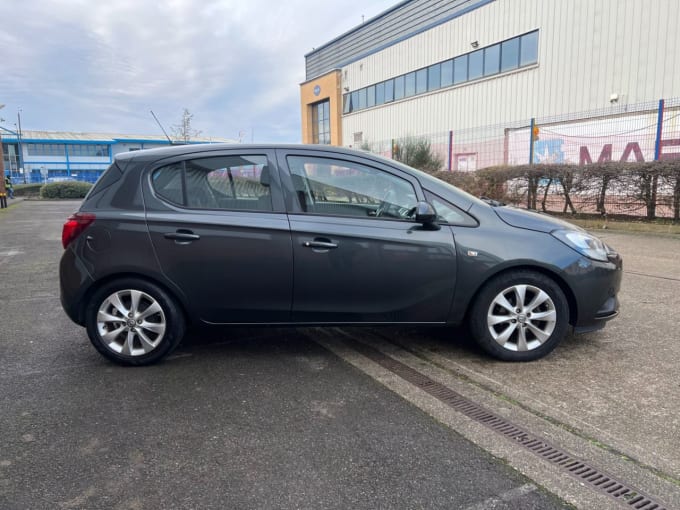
564, 287
130, 274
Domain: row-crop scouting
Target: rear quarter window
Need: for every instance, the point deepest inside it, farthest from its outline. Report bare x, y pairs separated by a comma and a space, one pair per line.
110, 176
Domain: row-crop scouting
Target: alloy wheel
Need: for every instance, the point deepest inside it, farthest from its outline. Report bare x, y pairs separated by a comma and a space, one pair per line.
521, 318
131, 322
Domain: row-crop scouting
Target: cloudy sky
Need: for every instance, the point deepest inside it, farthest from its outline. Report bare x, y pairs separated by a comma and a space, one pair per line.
89, 65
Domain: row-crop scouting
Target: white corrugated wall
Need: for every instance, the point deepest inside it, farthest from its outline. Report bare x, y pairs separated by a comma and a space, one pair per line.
588, 49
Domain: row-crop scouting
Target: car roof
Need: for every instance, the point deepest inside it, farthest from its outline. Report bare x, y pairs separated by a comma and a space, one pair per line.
464, 199
178, 150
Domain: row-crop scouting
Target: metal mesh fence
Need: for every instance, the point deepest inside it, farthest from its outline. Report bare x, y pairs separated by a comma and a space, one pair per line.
642, 132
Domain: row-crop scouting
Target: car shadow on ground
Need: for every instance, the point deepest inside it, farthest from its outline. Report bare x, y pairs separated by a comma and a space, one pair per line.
222, 340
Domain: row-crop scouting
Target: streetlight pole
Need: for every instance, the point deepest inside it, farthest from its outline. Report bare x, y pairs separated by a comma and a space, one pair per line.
21, 150
3, 191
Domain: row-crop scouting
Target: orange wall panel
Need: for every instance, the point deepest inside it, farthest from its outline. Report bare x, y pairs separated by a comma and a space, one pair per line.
314, 91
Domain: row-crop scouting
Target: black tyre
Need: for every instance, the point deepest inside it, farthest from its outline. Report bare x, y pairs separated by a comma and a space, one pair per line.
519, 316
134, 322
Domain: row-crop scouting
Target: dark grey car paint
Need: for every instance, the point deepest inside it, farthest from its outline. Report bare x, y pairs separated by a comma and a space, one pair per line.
381, 271
239, 268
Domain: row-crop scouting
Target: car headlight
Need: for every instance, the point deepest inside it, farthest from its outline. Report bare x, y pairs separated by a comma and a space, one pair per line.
584, 243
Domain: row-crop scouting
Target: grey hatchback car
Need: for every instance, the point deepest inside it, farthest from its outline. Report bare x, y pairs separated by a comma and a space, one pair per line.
318, 235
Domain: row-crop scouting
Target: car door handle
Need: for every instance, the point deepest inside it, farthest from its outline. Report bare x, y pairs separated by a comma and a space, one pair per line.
182, 236
323, 245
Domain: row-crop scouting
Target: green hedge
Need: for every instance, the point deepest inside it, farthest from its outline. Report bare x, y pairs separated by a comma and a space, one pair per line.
27, 190
66, 189
646, 185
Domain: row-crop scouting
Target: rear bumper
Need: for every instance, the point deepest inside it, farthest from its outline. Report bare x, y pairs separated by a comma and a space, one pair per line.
74, 280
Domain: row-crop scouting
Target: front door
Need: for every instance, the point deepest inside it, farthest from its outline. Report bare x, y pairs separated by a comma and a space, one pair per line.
358, 254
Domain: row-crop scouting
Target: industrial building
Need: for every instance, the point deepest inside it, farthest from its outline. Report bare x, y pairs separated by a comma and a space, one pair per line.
46, 156
472, 75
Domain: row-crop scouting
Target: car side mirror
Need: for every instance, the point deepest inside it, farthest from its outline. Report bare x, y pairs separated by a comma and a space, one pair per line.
427, 216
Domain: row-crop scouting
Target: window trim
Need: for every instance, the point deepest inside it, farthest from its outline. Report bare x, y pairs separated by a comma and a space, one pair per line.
292, 201
275, 186
469, 220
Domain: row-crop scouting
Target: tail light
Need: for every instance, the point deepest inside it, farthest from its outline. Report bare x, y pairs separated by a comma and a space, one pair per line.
74, 226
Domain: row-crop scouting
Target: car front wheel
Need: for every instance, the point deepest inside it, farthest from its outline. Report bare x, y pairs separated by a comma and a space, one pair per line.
134, 322
520, 316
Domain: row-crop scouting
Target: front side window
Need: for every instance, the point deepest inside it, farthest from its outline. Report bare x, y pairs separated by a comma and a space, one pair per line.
239, 182
342, 188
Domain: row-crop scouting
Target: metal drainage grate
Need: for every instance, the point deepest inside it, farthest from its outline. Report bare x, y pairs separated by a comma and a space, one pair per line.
579, 469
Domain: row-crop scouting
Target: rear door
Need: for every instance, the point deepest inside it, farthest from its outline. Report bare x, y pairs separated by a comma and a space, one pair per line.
218, 226
358, 255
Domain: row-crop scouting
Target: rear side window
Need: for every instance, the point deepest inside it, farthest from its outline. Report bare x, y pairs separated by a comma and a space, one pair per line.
225, 182
167, 182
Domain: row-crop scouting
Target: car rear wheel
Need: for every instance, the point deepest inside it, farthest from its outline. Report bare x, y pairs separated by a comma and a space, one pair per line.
134, 322
520, 316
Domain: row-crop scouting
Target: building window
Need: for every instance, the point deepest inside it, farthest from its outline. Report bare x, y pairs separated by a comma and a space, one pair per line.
434, 77
476, 65
321, 122
460, 69
421, 81
447, 73
497, 58
510, 55
46, 149
410, 84
398, 88
389, 91
370, 96
380, 93
529, 49
88, 150
492, 60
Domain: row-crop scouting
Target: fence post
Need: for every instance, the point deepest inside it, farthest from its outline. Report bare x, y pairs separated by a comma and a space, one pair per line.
659, 130
531, 141
450, 150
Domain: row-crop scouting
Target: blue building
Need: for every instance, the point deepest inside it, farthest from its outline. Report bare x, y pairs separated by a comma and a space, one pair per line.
49, 156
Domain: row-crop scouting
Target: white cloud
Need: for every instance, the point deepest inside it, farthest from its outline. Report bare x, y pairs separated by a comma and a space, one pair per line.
81, 65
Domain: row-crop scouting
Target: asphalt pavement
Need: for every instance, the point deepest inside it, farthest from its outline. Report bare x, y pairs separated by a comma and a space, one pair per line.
245, 418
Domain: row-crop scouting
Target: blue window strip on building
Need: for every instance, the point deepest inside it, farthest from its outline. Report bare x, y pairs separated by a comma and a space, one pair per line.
520, 51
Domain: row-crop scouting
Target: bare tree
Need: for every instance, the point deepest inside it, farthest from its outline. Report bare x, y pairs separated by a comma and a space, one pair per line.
183, 131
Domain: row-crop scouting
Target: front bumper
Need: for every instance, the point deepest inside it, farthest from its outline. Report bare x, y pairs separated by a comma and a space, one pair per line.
596, 287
